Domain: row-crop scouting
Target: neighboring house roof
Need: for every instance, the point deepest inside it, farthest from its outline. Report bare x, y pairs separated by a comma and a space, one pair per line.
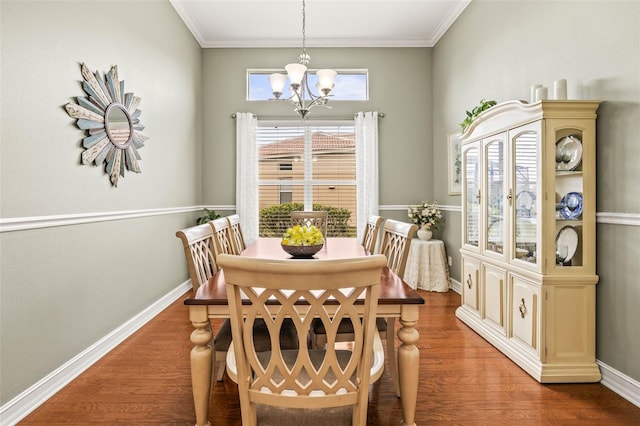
320, 142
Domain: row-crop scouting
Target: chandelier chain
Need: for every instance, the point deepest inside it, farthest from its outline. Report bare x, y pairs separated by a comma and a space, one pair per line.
304, 58
301, 94
304, 35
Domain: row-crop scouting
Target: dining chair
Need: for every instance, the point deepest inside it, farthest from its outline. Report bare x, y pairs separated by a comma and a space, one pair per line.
324, 289
199, 251
395, 245
237, 238
224, 244
370, 235
318, 218
223, 240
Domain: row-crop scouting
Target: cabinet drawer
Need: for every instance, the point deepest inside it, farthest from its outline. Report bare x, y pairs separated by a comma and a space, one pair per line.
470, 284
524, 312
495, 296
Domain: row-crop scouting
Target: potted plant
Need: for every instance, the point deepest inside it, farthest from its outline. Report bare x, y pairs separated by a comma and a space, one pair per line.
471, 115
209, 216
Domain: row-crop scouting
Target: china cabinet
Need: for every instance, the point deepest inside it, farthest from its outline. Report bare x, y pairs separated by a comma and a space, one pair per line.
528, 231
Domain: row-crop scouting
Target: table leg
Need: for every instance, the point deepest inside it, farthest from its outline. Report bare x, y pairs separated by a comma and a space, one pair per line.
200, 363
408, 363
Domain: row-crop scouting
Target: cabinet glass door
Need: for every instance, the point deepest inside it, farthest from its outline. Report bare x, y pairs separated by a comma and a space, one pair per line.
471, 161
495, 193
525, 190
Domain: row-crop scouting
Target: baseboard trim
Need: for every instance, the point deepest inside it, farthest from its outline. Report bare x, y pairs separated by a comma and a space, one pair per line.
23, 404
620, 383
455, 286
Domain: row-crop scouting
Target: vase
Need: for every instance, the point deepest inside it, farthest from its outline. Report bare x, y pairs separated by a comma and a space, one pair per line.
424, 234
302, 251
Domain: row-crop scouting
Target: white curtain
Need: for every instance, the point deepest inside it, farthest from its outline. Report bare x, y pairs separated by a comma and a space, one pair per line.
247, 175
366, 126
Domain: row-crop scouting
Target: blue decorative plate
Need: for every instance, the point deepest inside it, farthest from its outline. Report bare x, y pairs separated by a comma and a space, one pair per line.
571, 205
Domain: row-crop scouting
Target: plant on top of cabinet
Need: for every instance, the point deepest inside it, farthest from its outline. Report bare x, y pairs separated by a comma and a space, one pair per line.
482, 106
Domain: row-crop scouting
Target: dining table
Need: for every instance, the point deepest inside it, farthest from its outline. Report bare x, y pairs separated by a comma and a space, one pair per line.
396, 300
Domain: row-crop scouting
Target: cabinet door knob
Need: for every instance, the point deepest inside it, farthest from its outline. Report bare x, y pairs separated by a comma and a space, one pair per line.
522, 308
469, 281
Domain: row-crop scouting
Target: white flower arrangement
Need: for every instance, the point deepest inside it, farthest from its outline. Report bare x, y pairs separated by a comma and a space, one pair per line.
426, 215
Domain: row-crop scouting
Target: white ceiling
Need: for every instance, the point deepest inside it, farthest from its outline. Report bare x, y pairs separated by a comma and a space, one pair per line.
329, 23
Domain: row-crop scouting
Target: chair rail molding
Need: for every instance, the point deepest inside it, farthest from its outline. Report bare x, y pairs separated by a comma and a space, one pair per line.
402, 207
35, 222
618, 218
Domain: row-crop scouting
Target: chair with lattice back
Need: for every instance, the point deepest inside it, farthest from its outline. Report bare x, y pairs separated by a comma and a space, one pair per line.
319, 219
223, 241
370, 235
224, 244
304, 289
199, 251
395, 245
235, 231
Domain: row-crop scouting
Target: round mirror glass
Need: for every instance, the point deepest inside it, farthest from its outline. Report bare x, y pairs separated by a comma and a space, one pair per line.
118, 125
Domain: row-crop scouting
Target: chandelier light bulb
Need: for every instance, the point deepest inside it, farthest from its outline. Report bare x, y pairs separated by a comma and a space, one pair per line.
278, 82
326, 78
296, 73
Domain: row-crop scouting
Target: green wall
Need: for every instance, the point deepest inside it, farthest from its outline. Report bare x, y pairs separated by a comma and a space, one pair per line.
497, 50
399, 86
64, 288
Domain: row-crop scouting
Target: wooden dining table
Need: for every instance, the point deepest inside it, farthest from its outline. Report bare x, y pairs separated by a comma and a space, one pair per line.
396, 300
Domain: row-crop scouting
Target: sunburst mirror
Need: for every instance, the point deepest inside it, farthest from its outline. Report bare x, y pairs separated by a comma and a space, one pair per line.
112, 121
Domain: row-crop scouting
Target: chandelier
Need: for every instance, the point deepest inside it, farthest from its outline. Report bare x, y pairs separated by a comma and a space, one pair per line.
301, 95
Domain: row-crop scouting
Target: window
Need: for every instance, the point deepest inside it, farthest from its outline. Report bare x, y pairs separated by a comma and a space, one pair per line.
318, 163
350, 85
286, 191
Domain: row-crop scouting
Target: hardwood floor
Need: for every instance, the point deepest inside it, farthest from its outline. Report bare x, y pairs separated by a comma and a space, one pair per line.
463, 381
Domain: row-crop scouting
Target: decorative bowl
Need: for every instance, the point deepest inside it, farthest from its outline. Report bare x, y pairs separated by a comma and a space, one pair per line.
302, 251
571, 205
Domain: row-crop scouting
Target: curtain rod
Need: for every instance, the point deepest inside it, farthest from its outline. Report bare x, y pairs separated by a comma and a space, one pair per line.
380, 114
